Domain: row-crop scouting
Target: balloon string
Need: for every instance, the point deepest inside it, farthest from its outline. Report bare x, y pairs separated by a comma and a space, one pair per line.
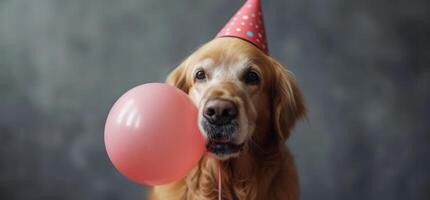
219, 181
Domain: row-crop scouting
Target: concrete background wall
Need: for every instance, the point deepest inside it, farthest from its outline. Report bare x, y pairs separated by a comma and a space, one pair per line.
362, 64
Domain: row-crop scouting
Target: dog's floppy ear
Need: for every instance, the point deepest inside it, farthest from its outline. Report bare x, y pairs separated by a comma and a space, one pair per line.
178, 77
287, 101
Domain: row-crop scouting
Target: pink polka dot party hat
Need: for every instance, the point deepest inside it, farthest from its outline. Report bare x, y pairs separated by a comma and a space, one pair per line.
248, 25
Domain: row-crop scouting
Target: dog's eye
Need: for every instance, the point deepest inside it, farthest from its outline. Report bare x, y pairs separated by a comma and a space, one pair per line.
200, 75
251, 78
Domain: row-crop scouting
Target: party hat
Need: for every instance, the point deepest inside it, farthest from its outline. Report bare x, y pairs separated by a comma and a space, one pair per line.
248, 25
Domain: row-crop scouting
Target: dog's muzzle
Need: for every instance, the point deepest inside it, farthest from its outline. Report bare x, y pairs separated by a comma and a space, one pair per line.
221, 123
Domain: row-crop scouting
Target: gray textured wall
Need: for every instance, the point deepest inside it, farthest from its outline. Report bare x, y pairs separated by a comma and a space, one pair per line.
363, 66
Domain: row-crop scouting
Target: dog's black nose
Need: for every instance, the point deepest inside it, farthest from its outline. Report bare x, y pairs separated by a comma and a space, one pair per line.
218, 111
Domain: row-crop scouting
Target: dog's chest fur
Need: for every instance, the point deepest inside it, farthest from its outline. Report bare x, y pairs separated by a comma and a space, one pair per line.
243, 178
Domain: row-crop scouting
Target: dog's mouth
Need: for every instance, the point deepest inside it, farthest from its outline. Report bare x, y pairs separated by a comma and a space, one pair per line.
223, 149
221, 139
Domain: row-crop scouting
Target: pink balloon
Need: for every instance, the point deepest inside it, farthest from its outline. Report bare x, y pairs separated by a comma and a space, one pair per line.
151, 134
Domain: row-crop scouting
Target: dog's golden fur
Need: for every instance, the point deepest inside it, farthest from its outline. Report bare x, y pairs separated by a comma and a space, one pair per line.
265, 168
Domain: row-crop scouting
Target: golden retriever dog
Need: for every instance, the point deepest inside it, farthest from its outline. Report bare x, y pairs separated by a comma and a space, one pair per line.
248, 103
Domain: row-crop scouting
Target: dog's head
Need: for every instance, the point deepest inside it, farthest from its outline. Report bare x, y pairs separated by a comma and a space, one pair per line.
242, 95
